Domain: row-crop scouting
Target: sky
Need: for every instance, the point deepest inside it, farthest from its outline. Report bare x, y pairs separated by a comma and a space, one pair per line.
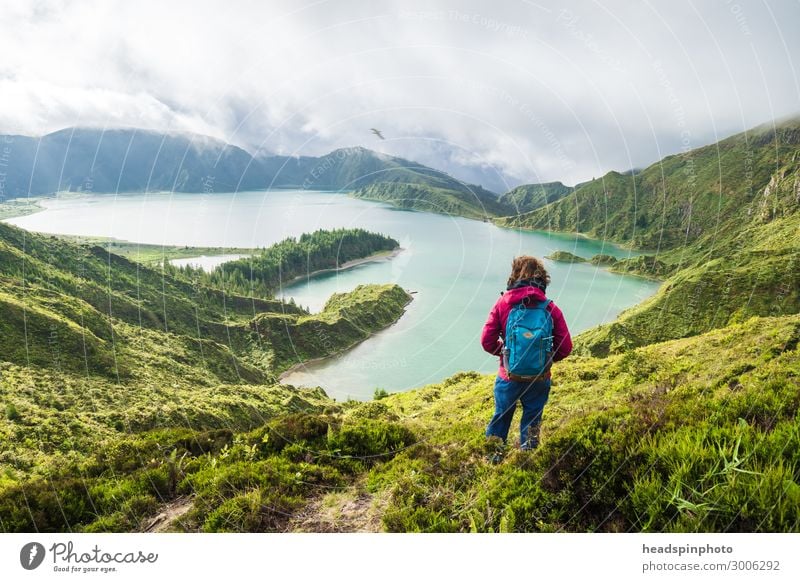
497, 93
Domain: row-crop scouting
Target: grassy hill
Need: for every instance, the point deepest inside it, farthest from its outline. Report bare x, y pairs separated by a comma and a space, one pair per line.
129, 391
697, 434
93, 344
680, 199
529, 197
458, 200
722, 225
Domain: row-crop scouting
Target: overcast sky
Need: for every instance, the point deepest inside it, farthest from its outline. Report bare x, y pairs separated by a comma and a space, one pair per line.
502, 92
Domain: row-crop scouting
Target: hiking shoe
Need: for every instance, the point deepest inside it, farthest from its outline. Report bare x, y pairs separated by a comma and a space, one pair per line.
532, 440
495, 458
495, 449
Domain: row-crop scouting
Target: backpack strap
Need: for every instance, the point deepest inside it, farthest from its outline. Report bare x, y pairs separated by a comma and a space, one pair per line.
541, 304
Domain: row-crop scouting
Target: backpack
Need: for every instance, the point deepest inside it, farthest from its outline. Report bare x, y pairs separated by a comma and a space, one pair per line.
528, 349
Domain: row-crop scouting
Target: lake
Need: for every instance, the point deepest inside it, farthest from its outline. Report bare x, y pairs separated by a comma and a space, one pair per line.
456, 267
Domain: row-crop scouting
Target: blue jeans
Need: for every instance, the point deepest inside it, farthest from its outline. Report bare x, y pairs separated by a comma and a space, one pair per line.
533, 396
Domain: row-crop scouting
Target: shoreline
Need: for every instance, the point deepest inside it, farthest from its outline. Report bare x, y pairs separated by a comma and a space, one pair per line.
19, 207
628, 246
375, 257
295, 367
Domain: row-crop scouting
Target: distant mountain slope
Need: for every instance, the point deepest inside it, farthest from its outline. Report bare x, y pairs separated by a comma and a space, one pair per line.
677, 199
529, 197
132, 160
724, 225
356, 167
460, 200
122, 160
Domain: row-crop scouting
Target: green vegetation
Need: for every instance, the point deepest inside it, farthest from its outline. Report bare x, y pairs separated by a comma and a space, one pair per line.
724, 220
96, 347
346, 319
683, 198
698, 434
126, 389
529, 197
565, 257
603, 260
458, 200
265, 272
18, 207
154, 255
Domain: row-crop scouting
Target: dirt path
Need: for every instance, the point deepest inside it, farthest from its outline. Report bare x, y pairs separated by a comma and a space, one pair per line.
351, 510
170, 513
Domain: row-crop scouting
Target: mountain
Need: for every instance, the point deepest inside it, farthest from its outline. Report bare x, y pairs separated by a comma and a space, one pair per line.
133, 160
721, 223
354, 167
678, 199
460, 200
130, 393
122, 160
529, 197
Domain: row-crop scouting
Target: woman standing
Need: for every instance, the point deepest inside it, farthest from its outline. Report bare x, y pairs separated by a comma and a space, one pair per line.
529, 333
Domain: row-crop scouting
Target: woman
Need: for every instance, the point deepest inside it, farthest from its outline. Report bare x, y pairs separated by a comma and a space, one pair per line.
527, 284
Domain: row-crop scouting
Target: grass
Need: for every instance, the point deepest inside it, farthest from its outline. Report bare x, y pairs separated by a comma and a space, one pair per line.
126, 388
695, 434
676, 436
19, 207
470, 202
154, 255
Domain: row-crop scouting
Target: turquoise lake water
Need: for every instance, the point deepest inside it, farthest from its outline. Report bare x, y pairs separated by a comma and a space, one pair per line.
456, 267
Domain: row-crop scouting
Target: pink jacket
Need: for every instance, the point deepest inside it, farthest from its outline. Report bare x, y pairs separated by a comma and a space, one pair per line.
495, 327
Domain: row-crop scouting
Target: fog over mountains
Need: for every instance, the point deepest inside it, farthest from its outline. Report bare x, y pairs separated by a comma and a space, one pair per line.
131, 160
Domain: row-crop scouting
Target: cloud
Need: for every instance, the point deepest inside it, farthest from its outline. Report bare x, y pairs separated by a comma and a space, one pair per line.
498, 92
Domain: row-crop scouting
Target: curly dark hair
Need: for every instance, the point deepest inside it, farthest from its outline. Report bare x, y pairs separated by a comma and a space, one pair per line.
527, 267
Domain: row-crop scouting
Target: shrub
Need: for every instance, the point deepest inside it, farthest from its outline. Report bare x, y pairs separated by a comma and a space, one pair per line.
370, 440
298, 428
11, 412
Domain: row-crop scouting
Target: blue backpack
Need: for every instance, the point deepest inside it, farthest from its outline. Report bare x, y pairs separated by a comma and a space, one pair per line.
528, 349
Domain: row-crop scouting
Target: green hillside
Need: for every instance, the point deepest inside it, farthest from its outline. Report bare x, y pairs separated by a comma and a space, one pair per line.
698, 434
130, 392
681, 198
93, 344
265, 272
719, 223
467, 201
529, 197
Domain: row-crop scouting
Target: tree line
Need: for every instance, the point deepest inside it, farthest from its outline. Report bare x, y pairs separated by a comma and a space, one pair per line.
266, 272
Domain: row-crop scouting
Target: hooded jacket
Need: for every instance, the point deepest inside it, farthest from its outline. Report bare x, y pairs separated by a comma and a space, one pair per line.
495, 328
